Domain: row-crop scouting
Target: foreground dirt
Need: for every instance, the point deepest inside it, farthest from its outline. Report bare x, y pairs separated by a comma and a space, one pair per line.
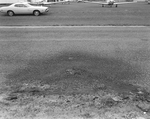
75, 85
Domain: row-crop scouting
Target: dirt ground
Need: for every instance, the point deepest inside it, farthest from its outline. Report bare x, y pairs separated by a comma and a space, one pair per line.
74, 85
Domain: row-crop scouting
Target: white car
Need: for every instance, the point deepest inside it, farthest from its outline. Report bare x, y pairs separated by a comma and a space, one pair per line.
23, 8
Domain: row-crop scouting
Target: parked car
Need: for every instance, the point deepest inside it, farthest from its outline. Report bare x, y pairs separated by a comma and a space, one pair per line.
23, 8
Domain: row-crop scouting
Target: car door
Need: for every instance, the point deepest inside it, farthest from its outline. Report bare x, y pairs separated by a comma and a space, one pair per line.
21, 9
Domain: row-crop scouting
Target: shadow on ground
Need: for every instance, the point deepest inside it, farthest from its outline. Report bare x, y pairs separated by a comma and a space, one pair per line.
77, 72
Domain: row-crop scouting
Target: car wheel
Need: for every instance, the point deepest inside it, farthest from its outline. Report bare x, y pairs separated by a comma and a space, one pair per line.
10, 13
36, 13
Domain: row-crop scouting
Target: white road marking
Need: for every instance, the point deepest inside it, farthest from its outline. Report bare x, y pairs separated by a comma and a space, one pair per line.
34, 27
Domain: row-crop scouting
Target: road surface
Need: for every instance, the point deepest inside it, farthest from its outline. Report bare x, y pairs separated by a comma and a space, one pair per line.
21, 44
84, 14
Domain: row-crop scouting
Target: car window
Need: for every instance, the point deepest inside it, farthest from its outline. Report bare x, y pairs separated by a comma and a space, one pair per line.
27, 5
20, 5
23, 5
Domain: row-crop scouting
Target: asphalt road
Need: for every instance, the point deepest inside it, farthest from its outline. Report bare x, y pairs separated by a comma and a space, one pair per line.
22, 40
82, 14
18, 45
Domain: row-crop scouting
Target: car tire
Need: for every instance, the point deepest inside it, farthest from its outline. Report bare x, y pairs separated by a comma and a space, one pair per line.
10, 13
36, 13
